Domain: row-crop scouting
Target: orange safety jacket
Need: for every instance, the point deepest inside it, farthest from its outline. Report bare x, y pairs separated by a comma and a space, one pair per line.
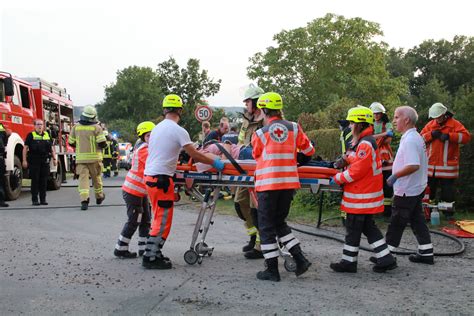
274, 149
135, 181
385, 150
363, 179
443, 156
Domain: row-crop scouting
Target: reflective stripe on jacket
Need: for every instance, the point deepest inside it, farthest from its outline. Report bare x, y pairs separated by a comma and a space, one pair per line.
107, 152
85, 138
274, 149
385, 150
363, 179
249, 126
135, 181
443, 156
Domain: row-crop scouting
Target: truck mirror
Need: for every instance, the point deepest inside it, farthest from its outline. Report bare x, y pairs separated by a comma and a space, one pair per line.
8, 84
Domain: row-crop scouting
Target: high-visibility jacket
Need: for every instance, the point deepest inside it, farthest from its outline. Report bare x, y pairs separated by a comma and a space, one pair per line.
443, 156
274, 149
135, 181
346, 139
86, 139
385, 150
249, 126
107, 151
363, 179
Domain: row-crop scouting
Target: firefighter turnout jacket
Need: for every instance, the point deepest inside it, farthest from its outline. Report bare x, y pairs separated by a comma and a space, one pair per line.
274, 149
87, 139
443, 156
385, 150
249, 126
135, 181
362, 180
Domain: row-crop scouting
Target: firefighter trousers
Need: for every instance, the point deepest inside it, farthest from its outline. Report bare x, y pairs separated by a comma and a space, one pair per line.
409, 209
39, 174
107, 166
94, 171
139, 216
247, 211
160, 191
358, 224
273, 208
387, 194
446, 186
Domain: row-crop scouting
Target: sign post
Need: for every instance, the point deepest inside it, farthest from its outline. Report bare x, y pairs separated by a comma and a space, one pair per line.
203, 113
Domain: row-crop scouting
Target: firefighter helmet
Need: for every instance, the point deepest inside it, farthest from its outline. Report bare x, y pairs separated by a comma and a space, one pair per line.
436, 110
89, 112
360, 114
270, 100
144, 127
106, 133
172, 101
253, 92
377, 107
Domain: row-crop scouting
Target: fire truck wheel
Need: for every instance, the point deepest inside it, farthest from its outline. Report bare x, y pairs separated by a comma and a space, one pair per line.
56, 178
13, 180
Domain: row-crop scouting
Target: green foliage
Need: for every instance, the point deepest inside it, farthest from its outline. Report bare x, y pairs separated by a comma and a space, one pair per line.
191, 84
331, 58
326, 143
126, 129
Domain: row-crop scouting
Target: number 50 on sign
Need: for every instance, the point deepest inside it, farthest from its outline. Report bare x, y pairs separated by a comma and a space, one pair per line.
203, 113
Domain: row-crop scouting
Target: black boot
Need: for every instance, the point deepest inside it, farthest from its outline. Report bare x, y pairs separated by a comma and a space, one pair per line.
251, 244
253, 254
159, 262
85, 205
344, 266
124, 254
3, 204
271, 273
421, 259
302, 264
100, 200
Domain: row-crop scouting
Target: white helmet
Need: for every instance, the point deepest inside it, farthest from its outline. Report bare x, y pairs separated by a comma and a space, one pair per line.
377, 107
436, 110
253, 92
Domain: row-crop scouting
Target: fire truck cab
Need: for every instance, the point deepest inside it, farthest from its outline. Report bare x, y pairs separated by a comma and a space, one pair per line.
21, 102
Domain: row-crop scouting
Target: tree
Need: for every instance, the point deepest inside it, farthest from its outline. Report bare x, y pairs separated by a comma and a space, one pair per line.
332, 57
191, 84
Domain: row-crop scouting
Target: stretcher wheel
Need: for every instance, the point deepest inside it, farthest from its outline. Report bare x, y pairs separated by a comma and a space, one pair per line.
199, 260
191, 257
290, 264
209, 253
200, 248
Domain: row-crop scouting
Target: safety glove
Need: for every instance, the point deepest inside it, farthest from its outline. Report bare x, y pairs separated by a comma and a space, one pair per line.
218, 164
436, 134
391, 180
444, 137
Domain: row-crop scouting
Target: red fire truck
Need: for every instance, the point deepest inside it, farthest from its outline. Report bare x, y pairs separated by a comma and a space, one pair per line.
21, 102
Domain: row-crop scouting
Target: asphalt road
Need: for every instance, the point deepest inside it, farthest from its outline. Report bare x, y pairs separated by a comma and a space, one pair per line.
59, 260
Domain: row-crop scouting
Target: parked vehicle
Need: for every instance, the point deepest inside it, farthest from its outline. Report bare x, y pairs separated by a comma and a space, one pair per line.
22, 100
125, 156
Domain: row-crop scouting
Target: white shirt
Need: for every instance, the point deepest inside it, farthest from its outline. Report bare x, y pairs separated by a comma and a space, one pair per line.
412, 151
166, 141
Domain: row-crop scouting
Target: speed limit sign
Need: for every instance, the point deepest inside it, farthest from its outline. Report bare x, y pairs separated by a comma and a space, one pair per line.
203, 113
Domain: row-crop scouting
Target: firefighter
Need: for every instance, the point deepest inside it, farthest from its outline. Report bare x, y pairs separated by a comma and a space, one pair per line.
107, 156
383, 133
345, 137
275, 149
37, 152
4, 134
135, 196
363, 195
88, 139
115, 155
442, 136
166, 141
244, 205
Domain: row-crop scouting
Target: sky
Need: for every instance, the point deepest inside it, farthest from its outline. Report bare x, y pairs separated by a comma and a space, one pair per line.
82, 44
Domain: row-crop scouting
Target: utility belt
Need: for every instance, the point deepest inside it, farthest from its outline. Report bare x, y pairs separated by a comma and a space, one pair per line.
162, 182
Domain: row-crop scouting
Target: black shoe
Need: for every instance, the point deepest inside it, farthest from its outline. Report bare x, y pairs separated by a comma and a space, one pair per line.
159, 263
36, 203
384, 268
44, 203
250, 245
141, 253
421, 259
344, 266
373, 259
115, 174
3, 204
302, 264
269, 275
99, 201
84, 205
254, 254
124, 254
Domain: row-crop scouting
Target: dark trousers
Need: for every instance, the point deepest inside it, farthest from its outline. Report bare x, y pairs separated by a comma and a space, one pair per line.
39, 174
358, 224
2, 179
114, 165
387, 194
408, 209
139, 216
446, 186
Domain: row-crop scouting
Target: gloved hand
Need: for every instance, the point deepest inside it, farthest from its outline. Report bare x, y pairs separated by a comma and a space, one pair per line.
340, 163
332, 182
391, 180
436, 134
390, 134
444, 137
218, 164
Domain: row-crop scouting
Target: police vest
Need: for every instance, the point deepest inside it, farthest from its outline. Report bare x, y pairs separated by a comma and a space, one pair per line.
40, 146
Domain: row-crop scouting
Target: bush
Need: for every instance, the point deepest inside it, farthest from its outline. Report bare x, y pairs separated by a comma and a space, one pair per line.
327, 143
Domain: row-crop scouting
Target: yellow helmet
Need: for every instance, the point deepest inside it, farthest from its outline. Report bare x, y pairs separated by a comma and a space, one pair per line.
144, 127
172, 101
360, 114
270, 100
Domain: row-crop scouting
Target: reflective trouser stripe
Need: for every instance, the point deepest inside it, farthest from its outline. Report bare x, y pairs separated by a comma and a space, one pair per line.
349, 258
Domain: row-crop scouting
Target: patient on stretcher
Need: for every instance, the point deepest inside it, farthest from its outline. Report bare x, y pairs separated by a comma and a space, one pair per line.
237, 151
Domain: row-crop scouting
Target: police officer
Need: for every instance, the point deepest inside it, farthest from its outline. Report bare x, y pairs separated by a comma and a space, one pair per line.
88, 139
37, 153
4, 134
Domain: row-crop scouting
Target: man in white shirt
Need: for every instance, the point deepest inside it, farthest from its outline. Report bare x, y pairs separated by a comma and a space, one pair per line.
166, 141
409, 179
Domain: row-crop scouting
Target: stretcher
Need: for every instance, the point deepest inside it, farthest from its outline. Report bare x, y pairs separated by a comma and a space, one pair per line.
235, 174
